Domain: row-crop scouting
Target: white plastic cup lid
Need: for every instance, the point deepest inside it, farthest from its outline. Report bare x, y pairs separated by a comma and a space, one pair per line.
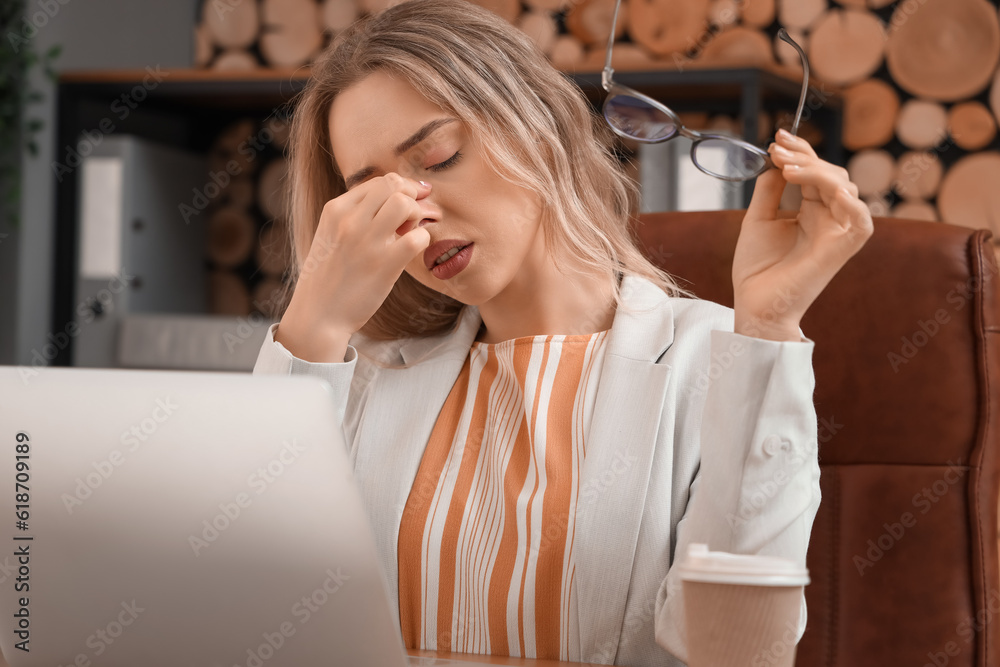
719, 567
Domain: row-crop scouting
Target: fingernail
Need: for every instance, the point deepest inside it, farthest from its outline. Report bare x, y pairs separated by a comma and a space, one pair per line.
784, 134
424, 183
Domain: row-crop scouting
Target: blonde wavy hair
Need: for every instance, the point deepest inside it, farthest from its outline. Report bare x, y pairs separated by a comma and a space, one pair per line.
536, 127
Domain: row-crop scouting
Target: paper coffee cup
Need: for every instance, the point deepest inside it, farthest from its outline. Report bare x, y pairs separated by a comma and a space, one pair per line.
740, 610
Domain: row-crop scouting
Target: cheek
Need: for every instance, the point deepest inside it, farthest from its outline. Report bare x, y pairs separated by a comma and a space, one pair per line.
417, 270
518, 223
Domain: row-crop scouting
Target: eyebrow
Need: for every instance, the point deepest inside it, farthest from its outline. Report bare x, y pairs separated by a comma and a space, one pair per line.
415, 139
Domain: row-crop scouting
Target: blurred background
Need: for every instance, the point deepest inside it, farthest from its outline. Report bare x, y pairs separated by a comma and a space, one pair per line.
142, 147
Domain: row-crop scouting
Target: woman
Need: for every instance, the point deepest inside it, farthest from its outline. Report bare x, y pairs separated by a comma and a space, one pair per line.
540, 420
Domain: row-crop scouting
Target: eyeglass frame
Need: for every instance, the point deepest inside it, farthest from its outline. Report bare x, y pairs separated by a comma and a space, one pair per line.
613, 88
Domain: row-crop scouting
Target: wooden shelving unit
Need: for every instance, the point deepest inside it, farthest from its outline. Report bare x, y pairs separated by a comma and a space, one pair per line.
187, 108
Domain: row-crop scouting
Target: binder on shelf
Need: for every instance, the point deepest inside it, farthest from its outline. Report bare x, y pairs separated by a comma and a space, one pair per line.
137, 254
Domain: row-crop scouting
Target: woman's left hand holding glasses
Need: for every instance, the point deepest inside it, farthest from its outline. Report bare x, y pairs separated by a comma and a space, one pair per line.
780, 264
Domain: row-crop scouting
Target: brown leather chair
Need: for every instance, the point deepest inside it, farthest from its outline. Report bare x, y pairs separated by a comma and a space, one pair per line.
903, 554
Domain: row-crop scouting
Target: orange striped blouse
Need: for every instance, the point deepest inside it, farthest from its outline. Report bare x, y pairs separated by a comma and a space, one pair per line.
486, 543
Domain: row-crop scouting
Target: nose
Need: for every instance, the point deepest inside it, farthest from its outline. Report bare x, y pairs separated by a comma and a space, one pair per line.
422, 193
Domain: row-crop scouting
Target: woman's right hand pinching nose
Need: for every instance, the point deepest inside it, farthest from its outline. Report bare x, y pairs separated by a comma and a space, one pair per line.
365, 238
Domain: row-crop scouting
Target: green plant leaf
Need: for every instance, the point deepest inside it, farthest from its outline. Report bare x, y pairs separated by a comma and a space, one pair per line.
17, 132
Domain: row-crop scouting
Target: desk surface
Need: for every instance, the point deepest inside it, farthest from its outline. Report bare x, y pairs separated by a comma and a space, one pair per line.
496, 660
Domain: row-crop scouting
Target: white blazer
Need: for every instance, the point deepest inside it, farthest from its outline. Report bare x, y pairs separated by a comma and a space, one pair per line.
699, 434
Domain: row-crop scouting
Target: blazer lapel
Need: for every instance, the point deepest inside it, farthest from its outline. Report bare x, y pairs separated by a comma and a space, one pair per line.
617, 464
386, 463
616, 468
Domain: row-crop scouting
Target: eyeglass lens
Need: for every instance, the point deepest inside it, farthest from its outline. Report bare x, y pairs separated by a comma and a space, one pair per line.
635, 118
725, 159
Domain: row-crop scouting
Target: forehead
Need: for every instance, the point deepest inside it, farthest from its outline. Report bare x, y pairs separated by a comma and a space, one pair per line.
373, 116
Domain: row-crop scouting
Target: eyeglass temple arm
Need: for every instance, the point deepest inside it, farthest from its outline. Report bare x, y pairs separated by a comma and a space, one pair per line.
784, 36
607, 72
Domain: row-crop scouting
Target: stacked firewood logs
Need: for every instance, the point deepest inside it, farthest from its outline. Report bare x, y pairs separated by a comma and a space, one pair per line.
919, 78
248, 247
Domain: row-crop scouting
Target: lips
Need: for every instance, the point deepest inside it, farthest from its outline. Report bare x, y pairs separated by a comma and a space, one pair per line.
437, 249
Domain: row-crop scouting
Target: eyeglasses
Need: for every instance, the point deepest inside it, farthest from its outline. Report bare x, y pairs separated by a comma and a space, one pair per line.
639, 117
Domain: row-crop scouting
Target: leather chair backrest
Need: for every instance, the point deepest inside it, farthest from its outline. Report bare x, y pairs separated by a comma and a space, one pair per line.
903, 553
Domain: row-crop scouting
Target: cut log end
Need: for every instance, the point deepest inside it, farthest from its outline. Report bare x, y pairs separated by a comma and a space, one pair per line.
758, 13
228, 294
969, 195
872, 171
235, 61
204, 49
541, 27
231, 25
590, 21
971, 125
870, 111
339, 14
921, 124
918, 175
800, 14
738, 46
567, 53
225, 154
292, 32
947, 50
667, 27
915, 210
271, 189
846, 46
231, 237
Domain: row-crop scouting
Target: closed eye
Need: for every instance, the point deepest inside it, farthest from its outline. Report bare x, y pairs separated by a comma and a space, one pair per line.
447, 163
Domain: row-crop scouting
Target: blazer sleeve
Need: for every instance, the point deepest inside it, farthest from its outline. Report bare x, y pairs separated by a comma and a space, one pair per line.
275, 359
756, 488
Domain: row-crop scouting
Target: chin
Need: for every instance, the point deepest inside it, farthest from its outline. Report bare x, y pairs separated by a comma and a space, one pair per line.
472, 287
468, 293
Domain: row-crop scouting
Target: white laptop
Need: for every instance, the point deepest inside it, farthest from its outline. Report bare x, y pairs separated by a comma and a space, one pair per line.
181, 519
